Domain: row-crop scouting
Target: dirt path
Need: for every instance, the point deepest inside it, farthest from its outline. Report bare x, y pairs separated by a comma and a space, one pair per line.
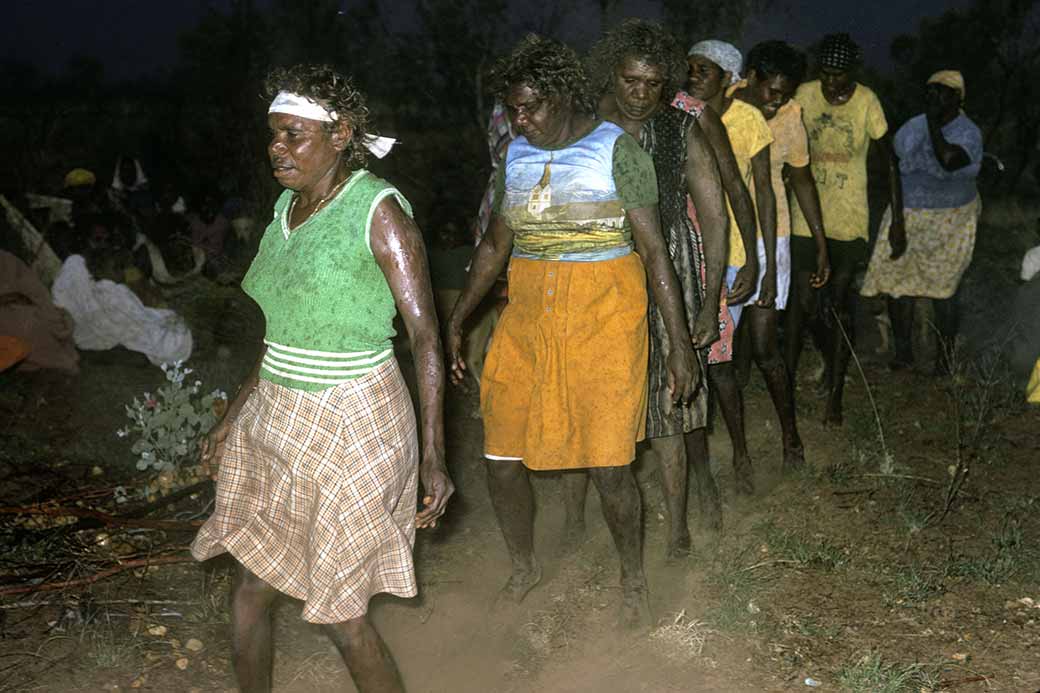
865, 573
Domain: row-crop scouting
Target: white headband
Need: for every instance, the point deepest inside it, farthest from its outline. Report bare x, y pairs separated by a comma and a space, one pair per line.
298, 105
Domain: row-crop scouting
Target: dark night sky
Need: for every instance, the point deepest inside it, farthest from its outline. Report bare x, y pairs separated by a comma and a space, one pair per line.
134, 38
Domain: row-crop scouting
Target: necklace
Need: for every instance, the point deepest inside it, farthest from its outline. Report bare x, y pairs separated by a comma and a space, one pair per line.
321, 203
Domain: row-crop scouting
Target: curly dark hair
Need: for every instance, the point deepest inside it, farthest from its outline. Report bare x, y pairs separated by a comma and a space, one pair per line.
547, 66
644, 40
334, 91
771, 58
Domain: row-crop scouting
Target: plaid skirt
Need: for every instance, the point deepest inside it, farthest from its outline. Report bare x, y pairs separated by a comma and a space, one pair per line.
317, 493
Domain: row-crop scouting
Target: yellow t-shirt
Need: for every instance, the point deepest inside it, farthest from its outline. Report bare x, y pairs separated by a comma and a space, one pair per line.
790, 146
839, 137
748, 135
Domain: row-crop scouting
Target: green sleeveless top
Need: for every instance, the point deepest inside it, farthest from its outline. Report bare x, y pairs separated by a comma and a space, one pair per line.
328, 307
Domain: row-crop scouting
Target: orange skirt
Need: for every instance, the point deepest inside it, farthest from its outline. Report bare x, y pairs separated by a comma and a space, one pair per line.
565, 381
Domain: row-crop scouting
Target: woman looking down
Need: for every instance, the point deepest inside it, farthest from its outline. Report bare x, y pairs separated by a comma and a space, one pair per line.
318, 453
564, 385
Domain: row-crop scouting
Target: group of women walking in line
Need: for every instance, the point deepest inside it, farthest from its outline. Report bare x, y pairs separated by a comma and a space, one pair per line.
641, 212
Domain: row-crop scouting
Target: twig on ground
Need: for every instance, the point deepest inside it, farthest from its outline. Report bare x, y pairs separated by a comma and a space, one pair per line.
911, 477
101, 575
763, 564
962, 682
104, 602
103, 517
866, 385
167, 499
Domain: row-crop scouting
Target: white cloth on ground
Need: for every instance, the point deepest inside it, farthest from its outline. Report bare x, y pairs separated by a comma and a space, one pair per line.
107, 314
1031, 264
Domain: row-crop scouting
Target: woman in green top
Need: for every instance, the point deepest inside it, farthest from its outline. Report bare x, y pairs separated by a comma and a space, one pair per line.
318, 452
565, 382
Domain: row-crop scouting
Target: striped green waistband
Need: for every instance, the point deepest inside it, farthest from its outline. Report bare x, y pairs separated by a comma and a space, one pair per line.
311, 369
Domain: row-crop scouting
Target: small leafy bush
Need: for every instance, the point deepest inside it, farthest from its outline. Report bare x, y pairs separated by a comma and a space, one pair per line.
169, 424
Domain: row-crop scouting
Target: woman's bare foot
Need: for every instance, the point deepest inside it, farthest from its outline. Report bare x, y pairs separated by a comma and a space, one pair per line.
679, 548
794, 458
520, 583
744, 476
635, 607
711, 506
832, 416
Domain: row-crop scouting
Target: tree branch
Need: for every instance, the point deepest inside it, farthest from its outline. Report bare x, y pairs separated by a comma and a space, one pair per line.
91, 579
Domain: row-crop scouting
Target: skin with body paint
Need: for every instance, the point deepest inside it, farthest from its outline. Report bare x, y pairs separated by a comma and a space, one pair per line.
551, 121
636, 95
308, 157
707, 82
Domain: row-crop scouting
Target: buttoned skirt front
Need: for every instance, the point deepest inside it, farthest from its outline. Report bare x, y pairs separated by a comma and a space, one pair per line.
565, 381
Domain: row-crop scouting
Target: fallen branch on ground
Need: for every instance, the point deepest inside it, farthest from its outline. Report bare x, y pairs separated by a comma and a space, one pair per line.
763, 564
100, 602
168, 499
911, 477
101, 575
103, 517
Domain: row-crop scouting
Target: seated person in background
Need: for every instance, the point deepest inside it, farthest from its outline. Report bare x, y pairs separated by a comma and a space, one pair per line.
130, 190
449, 256
28, 313
209, 229
169, 200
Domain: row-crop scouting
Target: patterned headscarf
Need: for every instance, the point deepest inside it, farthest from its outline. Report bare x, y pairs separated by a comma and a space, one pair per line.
723, 54
839, 52
949, 78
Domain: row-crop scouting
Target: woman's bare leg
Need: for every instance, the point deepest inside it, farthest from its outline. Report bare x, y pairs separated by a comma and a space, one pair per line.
762, 324
575, 491
722, 378
509, 484
366, 656
671, 458
708, 496
251, 600
622, 510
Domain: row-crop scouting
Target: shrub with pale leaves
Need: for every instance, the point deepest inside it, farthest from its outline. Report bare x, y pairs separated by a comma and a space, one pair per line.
169, 423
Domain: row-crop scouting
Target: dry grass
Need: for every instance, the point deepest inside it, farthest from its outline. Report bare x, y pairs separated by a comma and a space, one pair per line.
682, 638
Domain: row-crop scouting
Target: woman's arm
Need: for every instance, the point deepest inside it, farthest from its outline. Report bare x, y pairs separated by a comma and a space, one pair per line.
704, 184
739, 200
804, 185
897, 231
684, 373
489, 260
399, 251
951, 156
212, 444
765, 203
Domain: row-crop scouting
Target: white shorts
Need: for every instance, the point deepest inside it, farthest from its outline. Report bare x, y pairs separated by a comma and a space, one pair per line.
783, 276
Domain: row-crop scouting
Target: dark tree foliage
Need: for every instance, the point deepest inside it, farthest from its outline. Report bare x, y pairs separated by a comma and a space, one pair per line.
423, 65
996, 45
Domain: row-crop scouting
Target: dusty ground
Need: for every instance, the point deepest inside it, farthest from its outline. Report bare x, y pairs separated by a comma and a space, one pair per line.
864, 573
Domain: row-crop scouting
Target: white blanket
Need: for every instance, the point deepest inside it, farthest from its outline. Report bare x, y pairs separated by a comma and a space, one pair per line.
1031, 264
107, 314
